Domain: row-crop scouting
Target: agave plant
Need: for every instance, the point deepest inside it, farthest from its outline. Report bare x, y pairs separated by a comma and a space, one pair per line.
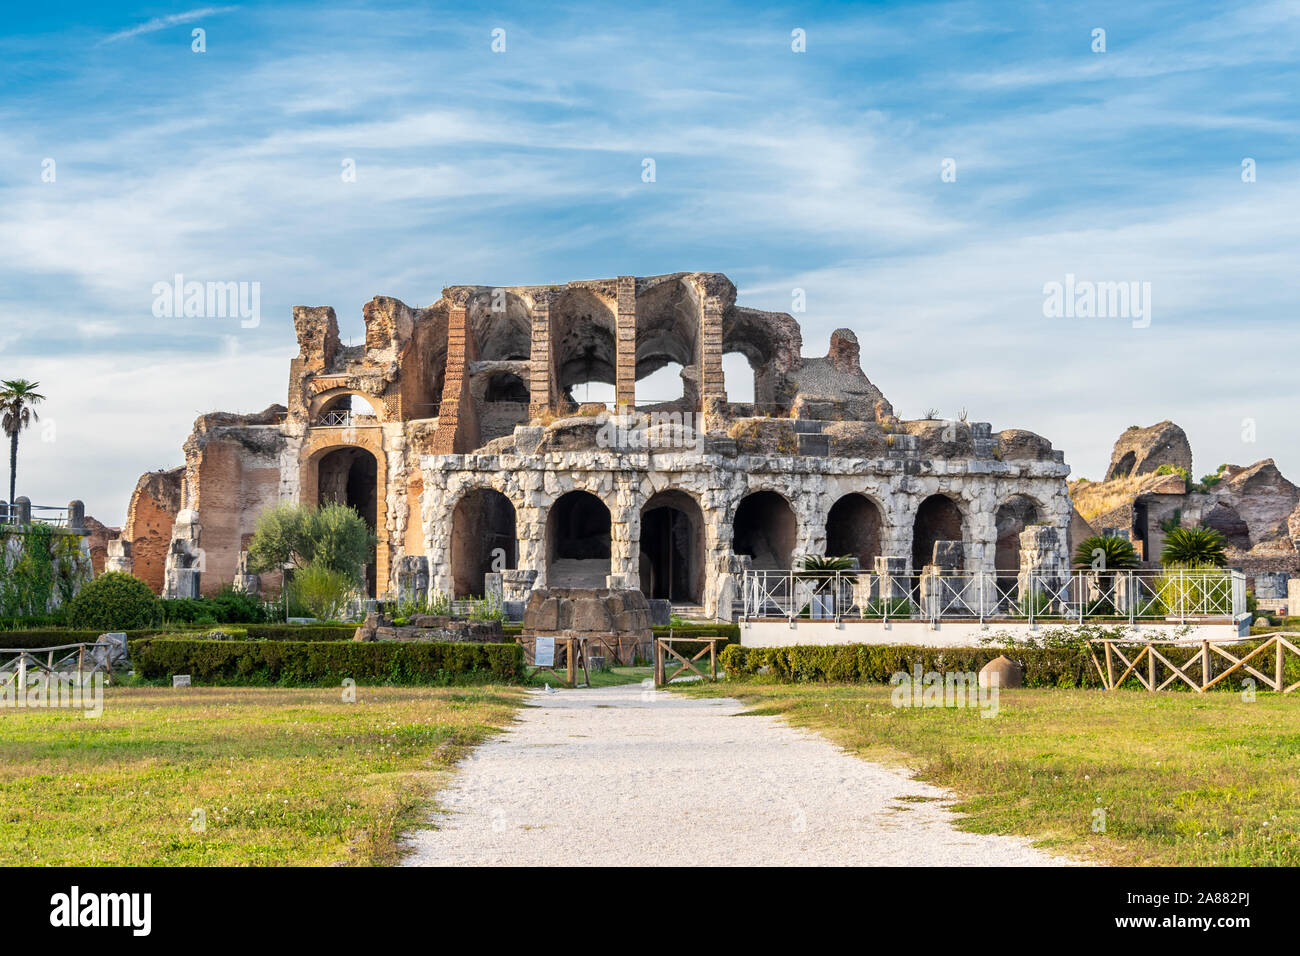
1194, 547
1105, 554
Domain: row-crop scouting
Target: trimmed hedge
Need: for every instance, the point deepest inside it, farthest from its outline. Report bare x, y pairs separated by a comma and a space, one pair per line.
114, 601
298, 632
36, 638
326, 662
1044, 666
876, 663
52, 637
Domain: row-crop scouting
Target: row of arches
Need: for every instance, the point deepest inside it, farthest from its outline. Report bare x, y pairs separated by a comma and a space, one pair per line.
579, 537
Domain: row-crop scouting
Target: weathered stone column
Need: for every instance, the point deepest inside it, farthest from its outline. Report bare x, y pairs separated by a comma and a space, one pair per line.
539, 370
713, 391
1041, 569
625, 338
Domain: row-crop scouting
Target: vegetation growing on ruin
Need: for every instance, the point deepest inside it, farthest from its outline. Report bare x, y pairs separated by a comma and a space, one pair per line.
1107, 553
1194, 548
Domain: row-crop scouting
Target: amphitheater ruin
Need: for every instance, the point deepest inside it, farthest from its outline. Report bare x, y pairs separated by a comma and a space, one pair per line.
455, 432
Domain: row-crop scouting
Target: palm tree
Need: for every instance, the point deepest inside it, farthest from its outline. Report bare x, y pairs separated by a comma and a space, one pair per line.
1194, 548
17, 396
1116, 554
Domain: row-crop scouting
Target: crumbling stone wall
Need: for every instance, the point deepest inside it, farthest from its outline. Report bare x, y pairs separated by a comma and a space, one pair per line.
817, 431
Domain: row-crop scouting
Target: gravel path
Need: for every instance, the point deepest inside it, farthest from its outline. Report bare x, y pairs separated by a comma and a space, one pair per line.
625, 776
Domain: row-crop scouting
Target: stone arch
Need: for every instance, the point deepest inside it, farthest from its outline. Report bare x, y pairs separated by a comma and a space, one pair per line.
579, 541
855, 526
938, 518
765, 528
1013, 516
672, 547
355, 473
668, 333
337, 399
501, 324
483, 539
583, 342
771, 343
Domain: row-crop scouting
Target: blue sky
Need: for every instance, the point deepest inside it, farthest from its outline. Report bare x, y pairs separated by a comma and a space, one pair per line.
818, 170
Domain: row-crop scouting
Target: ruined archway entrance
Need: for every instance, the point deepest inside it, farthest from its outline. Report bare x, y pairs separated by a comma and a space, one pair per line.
578, 535
672, 548
938, 519
1013, 516
853, 529
483, 540
349, 476
765, 529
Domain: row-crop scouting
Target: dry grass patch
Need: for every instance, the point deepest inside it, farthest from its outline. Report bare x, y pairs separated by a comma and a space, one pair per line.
282, 776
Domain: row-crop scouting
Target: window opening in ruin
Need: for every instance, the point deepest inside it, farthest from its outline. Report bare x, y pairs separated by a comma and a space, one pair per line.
578, 538
506, 387
938, 519
738, 379
765, 529
483, 540
853, 529
1013, 516
672, 548
350, 476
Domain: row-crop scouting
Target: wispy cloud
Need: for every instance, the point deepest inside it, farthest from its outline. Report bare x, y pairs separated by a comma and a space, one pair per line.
818, 170
162, 23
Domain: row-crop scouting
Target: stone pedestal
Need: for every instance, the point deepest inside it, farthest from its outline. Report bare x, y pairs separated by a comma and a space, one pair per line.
119, 556
412, 577
615, 622
184, 565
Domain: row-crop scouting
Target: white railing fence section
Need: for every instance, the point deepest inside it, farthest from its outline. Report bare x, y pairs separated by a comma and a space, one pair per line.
1172, 594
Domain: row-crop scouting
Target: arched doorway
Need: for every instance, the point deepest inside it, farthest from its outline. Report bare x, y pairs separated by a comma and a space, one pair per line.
483, 540
853, 527
672, 548
765, 529
578, 536
349, 476
938, 519
1013, 516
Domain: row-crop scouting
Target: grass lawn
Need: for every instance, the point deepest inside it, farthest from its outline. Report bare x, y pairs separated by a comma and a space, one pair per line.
283, 776
609, 678
1183, 778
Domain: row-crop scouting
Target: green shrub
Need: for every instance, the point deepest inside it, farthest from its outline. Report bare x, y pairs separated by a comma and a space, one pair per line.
114, 602
875, 664
324, 591
326, 662
333, 536
37, 638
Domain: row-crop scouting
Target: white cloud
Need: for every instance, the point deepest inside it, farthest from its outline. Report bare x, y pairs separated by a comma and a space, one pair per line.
162, 23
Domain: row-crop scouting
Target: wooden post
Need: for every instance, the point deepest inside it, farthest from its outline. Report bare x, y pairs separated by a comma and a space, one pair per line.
1277, 668
713, 658
571, 670
1110, 669
1205, 663
1151, 669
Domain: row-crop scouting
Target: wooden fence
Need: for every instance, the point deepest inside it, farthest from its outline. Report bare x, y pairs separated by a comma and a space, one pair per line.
1116, 654
83, 659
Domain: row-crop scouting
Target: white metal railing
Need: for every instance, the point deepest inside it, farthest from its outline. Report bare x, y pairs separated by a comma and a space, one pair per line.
41, 514
1155, 595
